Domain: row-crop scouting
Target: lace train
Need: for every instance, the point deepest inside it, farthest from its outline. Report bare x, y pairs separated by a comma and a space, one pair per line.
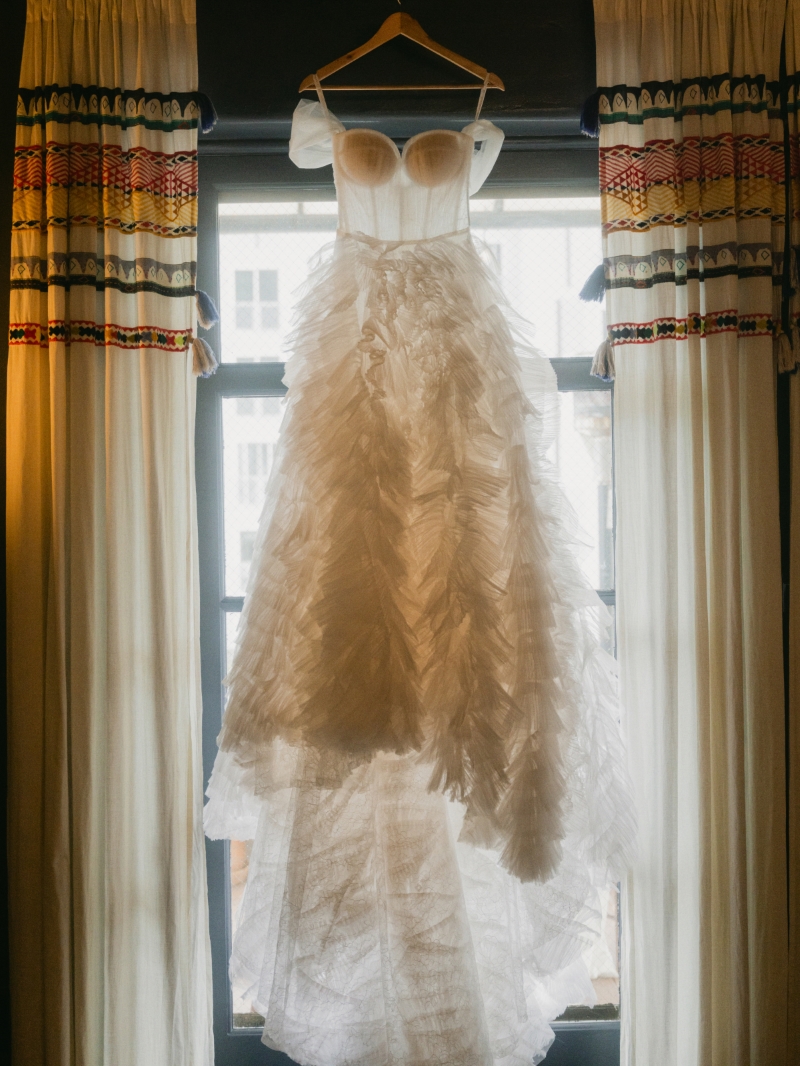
368, 936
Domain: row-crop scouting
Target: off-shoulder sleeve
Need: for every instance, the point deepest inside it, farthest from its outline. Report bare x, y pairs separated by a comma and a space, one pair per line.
313, 127
490, 139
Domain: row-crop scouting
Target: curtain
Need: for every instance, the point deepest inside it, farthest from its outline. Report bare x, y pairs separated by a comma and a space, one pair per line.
791, 318
693, 215
793, 731
108, 918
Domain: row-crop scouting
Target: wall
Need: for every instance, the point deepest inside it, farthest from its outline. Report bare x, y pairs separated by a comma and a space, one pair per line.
253, 56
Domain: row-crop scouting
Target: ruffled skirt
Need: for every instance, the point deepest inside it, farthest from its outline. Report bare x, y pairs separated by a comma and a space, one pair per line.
421, 733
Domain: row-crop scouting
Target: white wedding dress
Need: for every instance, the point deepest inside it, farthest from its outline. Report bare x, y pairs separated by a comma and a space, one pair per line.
421, 734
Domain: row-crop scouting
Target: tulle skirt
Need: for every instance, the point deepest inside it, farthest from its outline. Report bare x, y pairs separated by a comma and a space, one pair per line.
421, 734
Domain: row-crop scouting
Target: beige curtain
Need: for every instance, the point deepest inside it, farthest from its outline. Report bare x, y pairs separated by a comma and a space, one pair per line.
109, 942
794, 731
691, 202
699, 629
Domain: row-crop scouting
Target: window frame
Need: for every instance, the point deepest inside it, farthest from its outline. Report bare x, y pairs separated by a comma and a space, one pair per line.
594, 1042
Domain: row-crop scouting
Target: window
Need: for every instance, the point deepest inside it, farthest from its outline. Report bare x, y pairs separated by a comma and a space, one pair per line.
545, 247
256, 301
268, 298
243, 287
247, 540
255, 460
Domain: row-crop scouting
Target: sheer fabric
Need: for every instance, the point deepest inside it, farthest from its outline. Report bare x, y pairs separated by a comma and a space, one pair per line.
686, 94
421, 728
108, 923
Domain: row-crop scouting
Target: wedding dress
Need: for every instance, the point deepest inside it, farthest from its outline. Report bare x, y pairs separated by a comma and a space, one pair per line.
421, 732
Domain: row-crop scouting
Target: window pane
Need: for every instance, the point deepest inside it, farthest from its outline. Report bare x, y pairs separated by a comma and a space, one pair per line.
244, 1016
277, 241
582, 454
602, 962
249, 433
609, 640
231, 625
244, 285
544, 249
247, 541
244, 316
604, 957
268, 284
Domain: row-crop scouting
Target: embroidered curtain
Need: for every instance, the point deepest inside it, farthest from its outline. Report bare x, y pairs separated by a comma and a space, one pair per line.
691, 164
109, 941
691, 169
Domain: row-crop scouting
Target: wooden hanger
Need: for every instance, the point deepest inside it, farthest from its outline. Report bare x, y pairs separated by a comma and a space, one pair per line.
402, 25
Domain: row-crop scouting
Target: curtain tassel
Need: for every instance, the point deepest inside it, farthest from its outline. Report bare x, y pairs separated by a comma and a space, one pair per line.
590, 115
208, 113
204, 361
207, 314
594, 288
788, 358
603, 362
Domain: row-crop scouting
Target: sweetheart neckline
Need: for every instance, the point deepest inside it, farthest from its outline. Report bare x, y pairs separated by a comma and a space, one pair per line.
400, 154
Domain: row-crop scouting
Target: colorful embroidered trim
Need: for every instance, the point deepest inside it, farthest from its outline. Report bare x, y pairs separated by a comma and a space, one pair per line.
694, 325
102, 178
101, 335
68, 269
706, 156
635, 104
667, 266
98, 106
668, 182
129, 189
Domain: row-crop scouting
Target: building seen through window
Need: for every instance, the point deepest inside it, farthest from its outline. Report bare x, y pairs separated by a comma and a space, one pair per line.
256, 294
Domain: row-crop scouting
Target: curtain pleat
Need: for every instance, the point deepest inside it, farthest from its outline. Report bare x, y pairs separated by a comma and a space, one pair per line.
109, 938
691, 180
699, 629
794, 726
699, 632
790, 320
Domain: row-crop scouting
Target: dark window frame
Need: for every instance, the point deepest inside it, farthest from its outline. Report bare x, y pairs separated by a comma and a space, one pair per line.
593, 1042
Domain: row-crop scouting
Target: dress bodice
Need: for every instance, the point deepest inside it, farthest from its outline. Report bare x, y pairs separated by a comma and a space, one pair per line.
392, 196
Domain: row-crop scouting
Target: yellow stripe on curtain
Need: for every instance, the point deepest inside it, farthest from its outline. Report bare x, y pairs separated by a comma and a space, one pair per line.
110, 957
